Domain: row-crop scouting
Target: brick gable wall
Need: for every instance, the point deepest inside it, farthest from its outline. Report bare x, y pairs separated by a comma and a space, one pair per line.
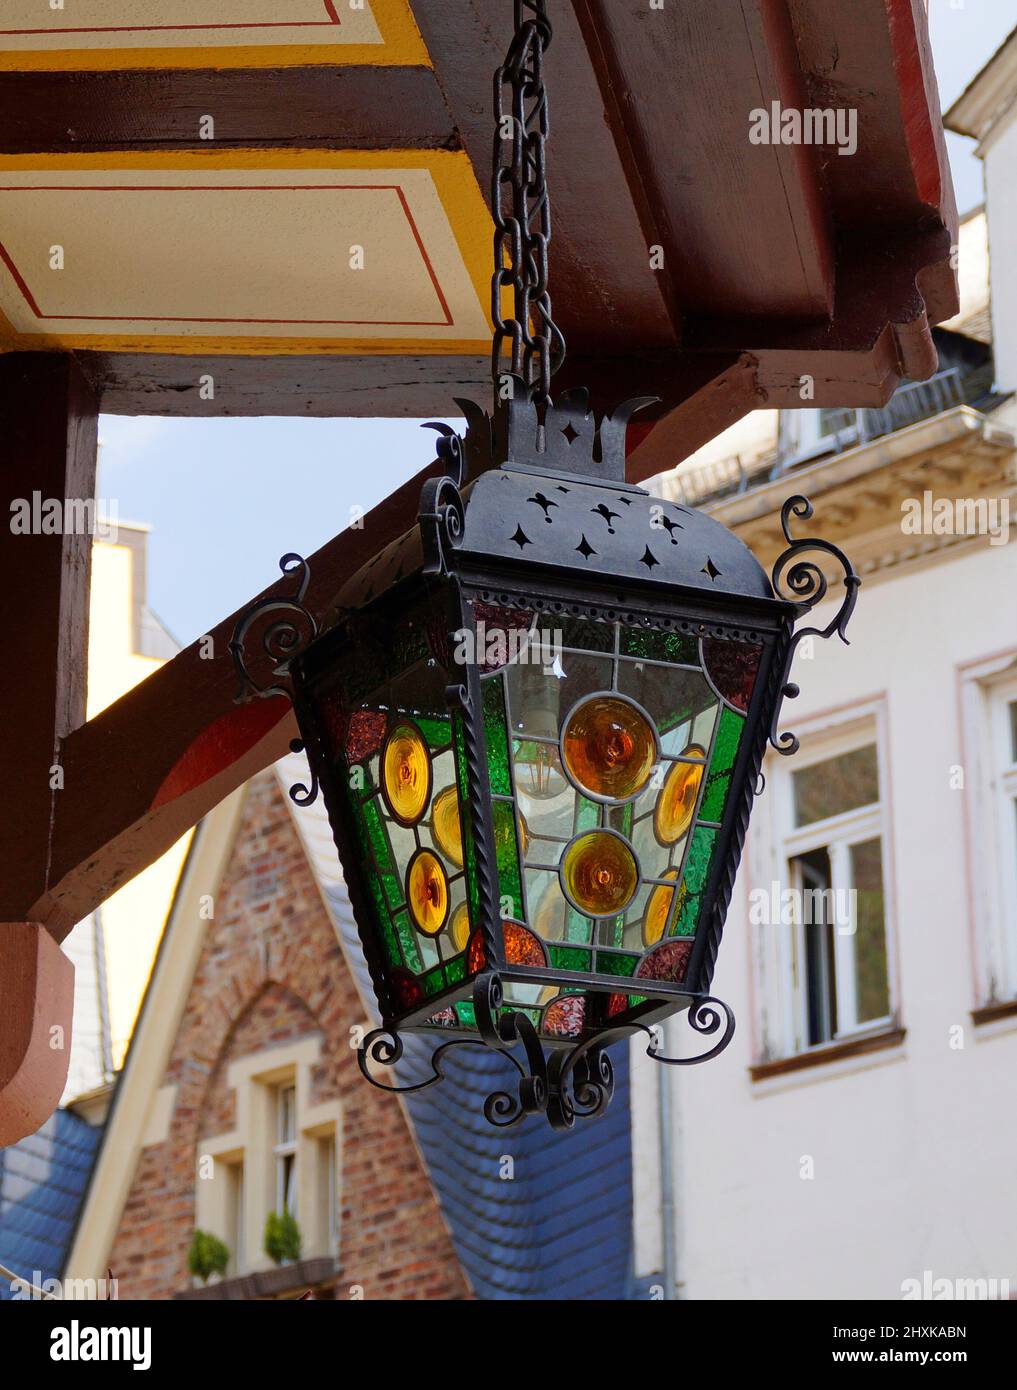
271, 971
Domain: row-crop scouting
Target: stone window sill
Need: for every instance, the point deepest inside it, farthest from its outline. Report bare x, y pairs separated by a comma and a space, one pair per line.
268, 1283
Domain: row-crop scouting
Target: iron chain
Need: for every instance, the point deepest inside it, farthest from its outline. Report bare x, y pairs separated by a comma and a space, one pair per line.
521, 207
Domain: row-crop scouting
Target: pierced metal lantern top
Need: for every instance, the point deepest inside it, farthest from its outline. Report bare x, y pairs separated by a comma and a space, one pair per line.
553, 497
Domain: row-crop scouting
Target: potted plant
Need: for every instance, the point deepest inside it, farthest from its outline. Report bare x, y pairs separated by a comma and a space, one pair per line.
207, 1255
282, 1238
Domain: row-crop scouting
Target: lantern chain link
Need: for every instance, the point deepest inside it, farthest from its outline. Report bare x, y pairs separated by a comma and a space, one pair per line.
522, 210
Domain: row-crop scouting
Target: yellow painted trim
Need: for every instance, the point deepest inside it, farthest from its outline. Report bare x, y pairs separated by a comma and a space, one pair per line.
401, 46
455, 183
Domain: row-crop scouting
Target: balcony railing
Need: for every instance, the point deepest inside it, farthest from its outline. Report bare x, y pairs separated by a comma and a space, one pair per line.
842, 429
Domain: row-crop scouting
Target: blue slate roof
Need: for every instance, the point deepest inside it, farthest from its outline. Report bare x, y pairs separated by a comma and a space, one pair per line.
561, 1228
42, 1183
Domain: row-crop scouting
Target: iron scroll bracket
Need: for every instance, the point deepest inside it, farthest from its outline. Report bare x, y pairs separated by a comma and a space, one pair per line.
803, 583
565, 1085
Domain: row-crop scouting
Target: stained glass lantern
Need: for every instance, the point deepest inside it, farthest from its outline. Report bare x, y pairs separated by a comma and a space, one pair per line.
538, 723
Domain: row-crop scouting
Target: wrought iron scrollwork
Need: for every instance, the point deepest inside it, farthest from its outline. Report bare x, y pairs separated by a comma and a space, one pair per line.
293, 627
802, 582
568, 1085
442, 522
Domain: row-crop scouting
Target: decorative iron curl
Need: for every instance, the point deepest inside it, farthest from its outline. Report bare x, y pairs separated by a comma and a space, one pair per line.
501, 1109
703, 1016
803, 583
451, 450
300, 794
442, 523
385, 1047
281, 640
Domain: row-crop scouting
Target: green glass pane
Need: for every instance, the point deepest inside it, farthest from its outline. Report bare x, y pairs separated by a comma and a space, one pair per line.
659, 646
587, 815
697, 868
455, 970
578, 632
578, 927
434, 981
466, 1015
568, 958
497, 742
408, 941
389, 940
438, 732
616, 965
725, 750
507, 853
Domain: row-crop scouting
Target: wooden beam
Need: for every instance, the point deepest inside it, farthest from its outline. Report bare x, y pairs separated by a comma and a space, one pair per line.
50, 419
37, 983
607, 297
354, 108
708, 211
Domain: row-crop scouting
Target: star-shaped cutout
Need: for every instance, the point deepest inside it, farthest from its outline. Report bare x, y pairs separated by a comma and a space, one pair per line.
521, 538
649, 559
569, 433
710, 568
585, 548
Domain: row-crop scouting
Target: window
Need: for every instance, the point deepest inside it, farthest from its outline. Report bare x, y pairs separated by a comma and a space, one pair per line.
833, 849
329, 1188
285, 1149
1005, 749
233, 1175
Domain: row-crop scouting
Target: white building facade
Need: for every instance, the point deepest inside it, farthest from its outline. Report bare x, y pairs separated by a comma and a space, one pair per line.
858, 1139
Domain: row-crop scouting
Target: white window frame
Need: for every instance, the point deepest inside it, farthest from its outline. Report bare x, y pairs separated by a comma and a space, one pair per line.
986, 689
1005, 797
286, 1146
782, 1020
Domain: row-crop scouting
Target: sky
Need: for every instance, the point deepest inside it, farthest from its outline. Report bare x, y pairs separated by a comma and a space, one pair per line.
226, 498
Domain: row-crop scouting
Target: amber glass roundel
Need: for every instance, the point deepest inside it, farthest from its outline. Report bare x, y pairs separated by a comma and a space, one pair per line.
445, 824
676, 804
427, 892
406, 772
609, 747
459, 927
658, 909
599, 873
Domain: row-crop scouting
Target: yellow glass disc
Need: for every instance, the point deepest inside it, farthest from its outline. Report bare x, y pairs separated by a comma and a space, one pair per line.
406, 773
658, 910
600, 873
609, 747
459, 927
427, 892
445, 824
676, 804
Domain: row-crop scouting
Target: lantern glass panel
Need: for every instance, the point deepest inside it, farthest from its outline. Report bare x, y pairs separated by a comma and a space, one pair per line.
611, 751
397, 765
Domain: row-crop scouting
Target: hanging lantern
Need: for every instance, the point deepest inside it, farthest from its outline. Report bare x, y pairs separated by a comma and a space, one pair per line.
538, 724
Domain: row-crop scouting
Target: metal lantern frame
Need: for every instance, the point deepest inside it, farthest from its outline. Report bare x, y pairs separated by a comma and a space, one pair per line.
532, 512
